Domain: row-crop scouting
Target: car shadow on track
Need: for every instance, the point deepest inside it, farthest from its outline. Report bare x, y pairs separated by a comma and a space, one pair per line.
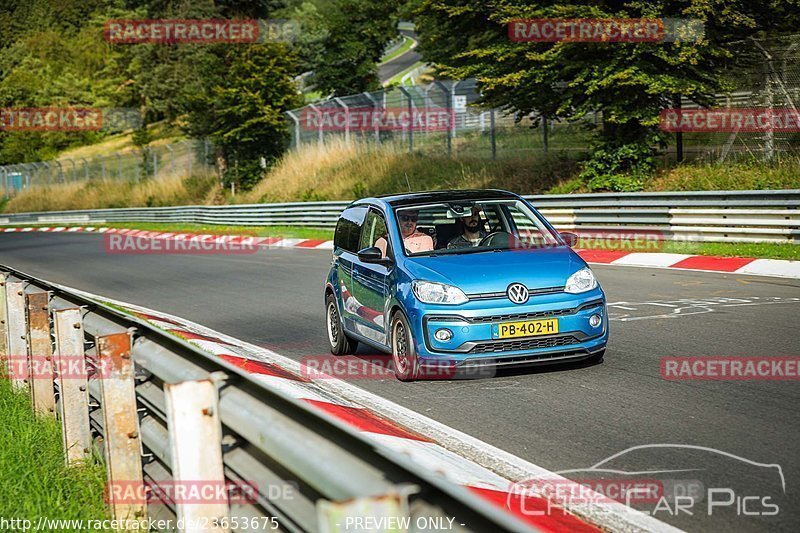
384, 364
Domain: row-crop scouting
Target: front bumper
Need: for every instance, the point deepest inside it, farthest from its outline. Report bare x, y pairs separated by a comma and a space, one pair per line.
474, 328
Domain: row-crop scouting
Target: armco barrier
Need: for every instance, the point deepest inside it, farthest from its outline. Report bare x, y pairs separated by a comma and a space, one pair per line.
159, 410
734, 216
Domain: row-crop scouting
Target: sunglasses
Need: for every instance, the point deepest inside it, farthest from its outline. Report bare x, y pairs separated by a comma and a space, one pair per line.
408, 218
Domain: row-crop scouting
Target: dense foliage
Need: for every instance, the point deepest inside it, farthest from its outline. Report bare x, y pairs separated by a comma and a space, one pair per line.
53, 54
629, 83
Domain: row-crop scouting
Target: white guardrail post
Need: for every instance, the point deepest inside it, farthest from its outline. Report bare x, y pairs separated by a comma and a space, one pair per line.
120, 426
17, 338
3, 328
72, 385
195, 436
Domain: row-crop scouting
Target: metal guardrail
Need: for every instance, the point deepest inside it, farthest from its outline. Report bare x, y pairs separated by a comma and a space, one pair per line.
267, 438
735, 216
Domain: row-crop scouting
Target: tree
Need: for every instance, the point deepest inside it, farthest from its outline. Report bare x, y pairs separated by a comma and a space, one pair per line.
630, 83
241, 108
359, 30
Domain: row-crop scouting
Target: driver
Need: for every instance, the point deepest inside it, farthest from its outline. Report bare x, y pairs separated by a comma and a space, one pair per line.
472, 231
413, 240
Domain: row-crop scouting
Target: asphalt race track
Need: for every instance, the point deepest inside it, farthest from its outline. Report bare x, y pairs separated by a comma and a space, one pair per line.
566, 417
400, 63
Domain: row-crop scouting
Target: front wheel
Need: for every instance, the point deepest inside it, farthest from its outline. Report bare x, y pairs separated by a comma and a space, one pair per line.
339, 342
404, 355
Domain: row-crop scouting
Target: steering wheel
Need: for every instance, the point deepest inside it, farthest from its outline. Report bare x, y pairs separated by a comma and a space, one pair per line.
492, 238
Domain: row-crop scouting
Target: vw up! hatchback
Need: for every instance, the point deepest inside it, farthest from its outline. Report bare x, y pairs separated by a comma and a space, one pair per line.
460, 280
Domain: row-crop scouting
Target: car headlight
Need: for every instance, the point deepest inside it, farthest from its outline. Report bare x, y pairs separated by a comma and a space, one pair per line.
581, 281
430, 292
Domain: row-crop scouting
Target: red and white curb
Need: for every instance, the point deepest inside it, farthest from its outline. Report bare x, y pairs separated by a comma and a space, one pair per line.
705, 263
462, 459
702, 263
262, 242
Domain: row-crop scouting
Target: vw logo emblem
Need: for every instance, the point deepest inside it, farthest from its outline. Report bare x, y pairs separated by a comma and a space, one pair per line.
517, 293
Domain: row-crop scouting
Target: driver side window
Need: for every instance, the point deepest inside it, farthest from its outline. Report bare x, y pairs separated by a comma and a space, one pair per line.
375, 233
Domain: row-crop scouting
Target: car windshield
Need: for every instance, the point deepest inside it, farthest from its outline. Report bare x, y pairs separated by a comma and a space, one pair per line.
471, 227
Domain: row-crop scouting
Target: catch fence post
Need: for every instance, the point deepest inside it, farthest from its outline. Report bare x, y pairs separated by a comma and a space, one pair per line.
411, 120
493, 133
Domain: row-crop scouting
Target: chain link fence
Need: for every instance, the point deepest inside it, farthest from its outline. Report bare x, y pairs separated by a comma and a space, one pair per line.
181, 159
438, 117
766, 74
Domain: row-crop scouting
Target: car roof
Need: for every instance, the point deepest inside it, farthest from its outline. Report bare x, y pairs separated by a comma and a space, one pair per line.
424, 197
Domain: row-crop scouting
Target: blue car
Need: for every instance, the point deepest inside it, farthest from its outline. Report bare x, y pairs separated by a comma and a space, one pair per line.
450, 282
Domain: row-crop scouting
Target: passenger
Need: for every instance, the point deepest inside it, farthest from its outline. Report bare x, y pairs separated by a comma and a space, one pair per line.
472, 231
413, 240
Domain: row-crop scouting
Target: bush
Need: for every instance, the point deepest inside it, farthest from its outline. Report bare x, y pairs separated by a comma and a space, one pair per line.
624, 168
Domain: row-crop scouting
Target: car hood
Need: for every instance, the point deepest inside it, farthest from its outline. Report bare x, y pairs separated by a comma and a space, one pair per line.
494, 271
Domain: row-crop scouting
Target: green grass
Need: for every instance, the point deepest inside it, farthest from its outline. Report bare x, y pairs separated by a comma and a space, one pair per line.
735, 249
312, 96
34, 480
783, 173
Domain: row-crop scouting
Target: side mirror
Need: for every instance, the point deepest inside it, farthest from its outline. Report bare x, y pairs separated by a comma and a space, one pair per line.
570, 238
373, 254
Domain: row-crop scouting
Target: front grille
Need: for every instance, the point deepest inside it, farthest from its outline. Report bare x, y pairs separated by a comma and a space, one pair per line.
525, 344
502, 294
519, 316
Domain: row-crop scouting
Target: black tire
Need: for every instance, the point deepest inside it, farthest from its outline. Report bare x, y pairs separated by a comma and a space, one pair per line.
404, 355
338, 340
596, 357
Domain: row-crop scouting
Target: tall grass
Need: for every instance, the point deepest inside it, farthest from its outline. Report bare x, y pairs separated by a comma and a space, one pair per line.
34, 480
97, 194
340, 171
783, 173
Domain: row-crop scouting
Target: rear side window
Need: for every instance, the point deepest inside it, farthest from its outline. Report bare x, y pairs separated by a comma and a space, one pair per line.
348, 229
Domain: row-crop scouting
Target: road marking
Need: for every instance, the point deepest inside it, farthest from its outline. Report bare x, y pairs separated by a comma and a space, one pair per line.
688, 307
